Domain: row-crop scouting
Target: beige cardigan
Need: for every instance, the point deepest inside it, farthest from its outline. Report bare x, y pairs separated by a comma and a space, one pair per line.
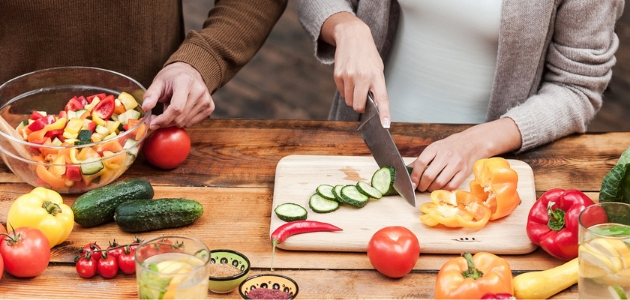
554, 59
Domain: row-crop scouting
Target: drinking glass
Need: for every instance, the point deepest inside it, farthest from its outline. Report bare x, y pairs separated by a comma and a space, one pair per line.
172, 267
604, 253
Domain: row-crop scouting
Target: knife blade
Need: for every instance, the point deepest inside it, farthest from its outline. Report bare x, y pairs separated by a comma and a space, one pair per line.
384, 150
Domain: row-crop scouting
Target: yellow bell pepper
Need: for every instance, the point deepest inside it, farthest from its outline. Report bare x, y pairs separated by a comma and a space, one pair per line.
43, 209
455, 209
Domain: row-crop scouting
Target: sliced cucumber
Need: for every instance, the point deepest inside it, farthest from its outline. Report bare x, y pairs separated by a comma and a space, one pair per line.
352, 196
383, 181
337, 192
290, 212
131, 147
368, 190
326, 191
320, 204
91, 166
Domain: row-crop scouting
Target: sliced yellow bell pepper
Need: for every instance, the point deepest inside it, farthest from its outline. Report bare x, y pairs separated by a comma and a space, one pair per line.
455, 209
43, 209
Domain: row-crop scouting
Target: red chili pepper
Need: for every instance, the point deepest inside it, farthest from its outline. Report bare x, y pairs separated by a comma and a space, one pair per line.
552, 222
296, 227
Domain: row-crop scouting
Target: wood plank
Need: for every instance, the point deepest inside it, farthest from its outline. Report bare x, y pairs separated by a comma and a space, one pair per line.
54, 283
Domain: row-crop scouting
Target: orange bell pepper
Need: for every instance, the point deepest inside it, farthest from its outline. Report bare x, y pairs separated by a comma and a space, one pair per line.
455, 209
471, 277
47, 177
495, 182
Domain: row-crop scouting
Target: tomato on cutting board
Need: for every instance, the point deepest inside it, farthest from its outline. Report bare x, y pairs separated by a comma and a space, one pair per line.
167, 148
393, 251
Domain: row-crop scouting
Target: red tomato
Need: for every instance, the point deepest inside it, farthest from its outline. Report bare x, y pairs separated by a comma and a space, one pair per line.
167, 148
94, 249
26, 252
126, 261
114, 249
86, 268
1, 266
393, 251
107, 266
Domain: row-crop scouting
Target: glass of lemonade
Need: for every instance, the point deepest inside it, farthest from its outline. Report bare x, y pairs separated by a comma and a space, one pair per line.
604, 251
172, 267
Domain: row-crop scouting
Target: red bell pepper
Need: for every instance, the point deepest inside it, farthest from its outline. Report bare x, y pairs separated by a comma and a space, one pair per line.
552, 222
105, 108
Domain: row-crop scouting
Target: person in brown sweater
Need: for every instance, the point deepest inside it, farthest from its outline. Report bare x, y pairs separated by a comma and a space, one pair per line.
143, 39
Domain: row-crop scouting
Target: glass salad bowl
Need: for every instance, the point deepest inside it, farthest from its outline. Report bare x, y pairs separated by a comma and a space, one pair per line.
71, 129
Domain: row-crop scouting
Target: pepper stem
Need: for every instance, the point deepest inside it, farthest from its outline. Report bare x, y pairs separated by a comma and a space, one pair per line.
51, 208
556, 217
472, 271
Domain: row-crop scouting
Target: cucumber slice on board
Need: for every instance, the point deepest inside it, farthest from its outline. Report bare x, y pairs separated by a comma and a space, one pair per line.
337, 192
368, 190
290, 212
383, 181
352, 196
320, 204
326, 191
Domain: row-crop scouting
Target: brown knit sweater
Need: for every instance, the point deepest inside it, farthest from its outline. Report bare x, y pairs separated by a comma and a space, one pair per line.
133, 37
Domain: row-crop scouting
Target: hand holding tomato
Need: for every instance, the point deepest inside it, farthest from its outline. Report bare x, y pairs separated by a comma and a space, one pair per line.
393, 251
167, 148
26, 252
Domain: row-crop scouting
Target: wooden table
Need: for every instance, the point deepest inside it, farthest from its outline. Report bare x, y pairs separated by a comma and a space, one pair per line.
231, 169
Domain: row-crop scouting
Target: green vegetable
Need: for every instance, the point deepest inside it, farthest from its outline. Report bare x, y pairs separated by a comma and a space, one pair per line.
352, 196
383, 181
147, 215
290, 212
320, 204
614, 230
98, 206
616, 184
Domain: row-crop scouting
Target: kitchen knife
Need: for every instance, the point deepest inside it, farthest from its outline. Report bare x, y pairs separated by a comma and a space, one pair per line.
384, 150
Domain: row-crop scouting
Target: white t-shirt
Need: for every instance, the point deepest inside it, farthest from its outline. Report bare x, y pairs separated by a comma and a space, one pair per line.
442, 63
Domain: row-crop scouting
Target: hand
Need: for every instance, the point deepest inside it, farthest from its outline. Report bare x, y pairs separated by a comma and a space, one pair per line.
446, 163
358, 65
184, 94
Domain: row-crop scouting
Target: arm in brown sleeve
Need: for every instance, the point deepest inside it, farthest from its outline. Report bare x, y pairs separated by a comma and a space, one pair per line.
232, 34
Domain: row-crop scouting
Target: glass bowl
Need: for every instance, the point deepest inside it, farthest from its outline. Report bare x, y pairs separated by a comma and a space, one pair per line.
50, 159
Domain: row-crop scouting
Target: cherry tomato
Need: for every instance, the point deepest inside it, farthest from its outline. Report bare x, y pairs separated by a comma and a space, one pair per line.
167, 148
107, 266
105, 108
26, 252
393, 251
134, 245
94, 249
114, 249
86, 267
126, 261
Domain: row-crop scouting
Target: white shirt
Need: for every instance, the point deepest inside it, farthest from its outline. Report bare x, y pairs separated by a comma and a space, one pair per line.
442, 63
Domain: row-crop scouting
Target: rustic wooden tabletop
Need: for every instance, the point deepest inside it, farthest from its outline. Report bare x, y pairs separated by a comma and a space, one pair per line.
231, 170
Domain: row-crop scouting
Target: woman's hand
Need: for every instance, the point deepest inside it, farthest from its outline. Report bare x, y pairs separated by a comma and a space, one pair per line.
358, 65
184, 94
446, 163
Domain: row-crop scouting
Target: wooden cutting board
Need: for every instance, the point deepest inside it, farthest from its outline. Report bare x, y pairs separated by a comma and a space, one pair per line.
297, 176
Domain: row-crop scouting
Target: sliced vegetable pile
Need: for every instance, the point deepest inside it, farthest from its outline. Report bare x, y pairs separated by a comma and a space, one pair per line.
492, 196
84, 120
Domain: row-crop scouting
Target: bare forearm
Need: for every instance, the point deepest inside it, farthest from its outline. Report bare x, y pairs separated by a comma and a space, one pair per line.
495, 137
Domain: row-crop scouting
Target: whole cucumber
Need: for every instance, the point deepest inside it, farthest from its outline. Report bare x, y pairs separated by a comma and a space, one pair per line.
97, 206
148, 215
